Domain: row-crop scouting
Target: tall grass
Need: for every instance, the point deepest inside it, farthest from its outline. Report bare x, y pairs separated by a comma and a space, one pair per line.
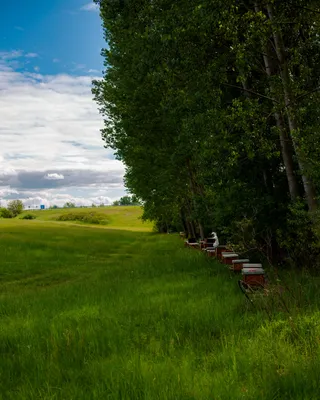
98, 314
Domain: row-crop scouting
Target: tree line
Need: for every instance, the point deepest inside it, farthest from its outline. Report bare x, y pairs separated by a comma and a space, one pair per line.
127, 201
213, 106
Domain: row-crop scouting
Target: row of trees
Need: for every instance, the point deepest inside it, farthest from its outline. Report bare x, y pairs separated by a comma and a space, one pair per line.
213, 106
127, 201
15, 207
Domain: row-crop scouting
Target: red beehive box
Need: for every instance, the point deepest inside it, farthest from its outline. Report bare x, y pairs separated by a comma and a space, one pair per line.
237, 265
221, 249
227, 257
211, 253
253, 274
192, 242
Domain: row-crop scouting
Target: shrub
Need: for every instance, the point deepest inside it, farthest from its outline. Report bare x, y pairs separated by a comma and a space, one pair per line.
16, 207
5, 213
300, 237
28, 216
84, 217
69, 204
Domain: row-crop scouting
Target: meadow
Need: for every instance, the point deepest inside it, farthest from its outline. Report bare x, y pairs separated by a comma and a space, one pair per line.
99, 313
115, 217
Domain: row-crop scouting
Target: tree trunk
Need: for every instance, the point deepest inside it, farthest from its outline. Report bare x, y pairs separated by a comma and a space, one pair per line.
196, 191
183, 221
201, 231
286, 149
189, 233
193, 229
288, 97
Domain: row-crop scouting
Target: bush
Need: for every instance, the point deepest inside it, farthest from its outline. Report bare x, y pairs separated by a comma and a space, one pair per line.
84, 217
69, 204
28, 216
16, 207
5, 213
300, 237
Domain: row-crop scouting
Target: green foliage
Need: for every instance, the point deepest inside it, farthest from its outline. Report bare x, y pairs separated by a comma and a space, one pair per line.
300, 237
69, 204
28, 216
5, 213
127, 201
84, 217
214, 110
15, 206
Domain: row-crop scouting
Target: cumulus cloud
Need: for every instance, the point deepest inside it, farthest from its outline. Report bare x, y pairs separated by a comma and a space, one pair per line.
50, 136
54, 177
7, 191
67, 178
90, 7
60, 201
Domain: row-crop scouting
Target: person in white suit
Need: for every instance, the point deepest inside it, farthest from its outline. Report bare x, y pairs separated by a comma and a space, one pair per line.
216, 242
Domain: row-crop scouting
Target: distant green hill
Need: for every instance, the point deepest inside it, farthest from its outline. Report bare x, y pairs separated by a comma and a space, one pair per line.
112, 217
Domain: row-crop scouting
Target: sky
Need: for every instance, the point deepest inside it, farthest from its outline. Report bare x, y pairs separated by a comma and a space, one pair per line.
51, 149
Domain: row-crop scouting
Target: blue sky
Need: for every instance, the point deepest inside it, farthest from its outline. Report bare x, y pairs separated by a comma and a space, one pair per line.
66, 34
51, 149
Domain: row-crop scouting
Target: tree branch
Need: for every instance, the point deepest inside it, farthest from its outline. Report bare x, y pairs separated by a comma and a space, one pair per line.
306, 94
307, 8
252, 92
296, 6
295, 100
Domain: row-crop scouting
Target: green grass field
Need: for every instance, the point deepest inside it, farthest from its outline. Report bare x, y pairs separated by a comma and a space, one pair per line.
119, 314
120, 217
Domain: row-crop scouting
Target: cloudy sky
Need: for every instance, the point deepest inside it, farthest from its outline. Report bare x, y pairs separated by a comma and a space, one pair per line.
50, 144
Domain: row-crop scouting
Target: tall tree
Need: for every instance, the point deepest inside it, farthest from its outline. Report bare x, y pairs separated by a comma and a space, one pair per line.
209, 107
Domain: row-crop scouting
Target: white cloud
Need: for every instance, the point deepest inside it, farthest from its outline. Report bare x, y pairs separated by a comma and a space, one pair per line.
6, 191
54, 177
50, 126
90, 7
78, 67
10, 55
36, 201
49, 199
33, 199
31, 55
93, 71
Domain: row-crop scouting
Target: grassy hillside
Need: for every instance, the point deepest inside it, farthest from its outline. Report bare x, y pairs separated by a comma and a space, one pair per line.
121, 217
106, 314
